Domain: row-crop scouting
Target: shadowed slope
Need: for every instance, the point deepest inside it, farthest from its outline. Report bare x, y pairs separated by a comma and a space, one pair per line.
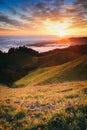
16, 63
60, 56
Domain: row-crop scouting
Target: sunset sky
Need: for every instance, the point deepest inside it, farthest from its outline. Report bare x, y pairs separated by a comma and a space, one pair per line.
43, 17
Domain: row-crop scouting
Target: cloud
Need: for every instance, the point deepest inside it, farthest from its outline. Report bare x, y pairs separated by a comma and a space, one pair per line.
6, 29
25, 8
4, 18
40, 6
77, 13
55, 11
83, 3
43, 9
13, 11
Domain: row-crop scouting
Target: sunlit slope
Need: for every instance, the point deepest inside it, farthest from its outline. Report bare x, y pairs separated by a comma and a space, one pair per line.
71, 71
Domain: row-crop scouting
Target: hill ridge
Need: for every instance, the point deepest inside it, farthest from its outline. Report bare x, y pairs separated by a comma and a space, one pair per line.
56, 74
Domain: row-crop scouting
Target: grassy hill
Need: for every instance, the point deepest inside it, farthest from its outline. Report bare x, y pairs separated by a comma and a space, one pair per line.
75, 70
51, 96
16, 63
20, 61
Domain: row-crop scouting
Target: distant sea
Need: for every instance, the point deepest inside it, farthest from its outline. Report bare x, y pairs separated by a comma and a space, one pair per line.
7, 42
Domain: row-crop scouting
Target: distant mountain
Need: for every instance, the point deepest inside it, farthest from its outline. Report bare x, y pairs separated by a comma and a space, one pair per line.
71, 41
78, 40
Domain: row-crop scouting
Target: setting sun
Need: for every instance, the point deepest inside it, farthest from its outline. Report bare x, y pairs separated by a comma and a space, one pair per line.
61, 33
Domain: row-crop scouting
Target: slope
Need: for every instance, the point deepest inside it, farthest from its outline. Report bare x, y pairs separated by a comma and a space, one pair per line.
71, 71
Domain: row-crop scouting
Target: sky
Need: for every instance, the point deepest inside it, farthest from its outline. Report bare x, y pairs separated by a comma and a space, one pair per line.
43, 17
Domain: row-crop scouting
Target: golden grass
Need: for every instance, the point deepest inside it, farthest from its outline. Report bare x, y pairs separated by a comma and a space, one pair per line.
60, 95
43, 94
43, 101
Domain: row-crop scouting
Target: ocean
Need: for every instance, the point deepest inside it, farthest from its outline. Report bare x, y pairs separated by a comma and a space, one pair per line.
7, 42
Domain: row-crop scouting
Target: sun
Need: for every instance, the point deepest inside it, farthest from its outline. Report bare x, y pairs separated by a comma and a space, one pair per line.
61, 33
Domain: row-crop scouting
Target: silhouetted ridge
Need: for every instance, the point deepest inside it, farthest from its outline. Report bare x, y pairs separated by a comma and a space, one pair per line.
23, 50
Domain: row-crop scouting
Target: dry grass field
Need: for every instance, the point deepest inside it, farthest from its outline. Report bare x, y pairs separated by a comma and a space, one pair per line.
37, 107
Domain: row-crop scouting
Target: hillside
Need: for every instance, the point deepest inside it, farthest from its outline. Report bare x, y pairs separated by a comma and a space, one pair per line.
60, 56
50, 92
61, 106
18, 62
75, 70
